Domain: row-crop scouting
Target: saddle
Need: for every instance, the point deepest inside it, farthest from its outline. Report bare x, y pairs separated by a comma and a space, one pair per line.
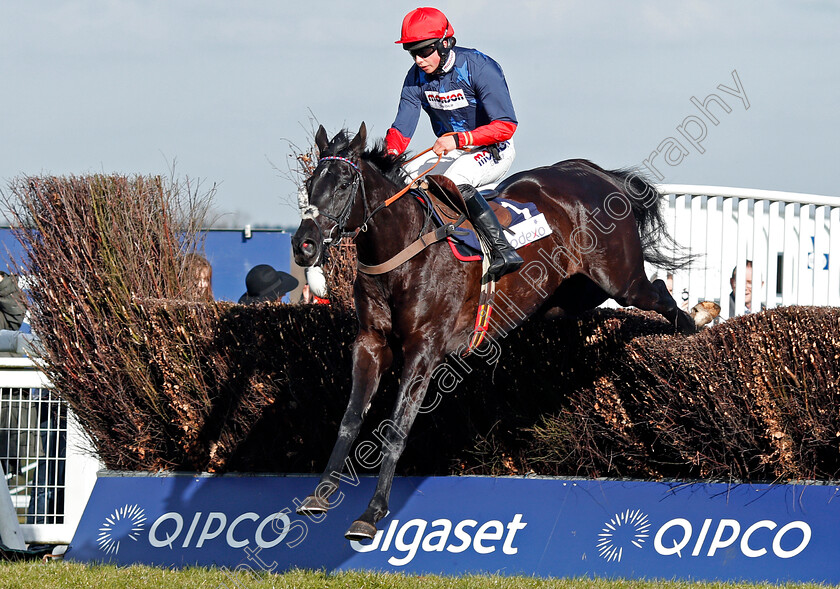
522, 222
446, 200
447, 209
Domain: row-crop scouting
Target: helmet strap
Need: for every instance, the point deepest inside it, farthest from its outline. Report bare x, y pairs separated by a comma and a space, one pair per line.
445, 55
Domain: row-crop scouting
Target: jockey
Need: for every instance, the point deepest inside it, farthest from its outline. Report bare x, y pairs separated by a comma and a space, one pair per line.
465, 95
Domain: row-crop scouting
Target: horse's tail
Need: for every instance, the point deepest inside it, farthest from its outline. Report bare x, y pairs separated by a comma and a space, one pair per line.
659, 247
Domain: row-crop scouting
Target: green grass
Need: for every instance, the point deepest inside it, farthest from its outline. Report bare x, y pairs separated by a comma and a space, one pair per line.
59, 574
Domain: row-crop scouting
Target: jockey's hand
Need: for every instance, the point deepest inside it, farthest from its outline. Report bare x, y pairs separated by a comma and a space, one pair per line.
444, 145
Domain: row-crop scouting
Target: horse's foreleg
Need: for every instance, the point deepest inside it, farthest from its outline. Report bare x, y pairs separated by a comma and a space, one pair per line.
371, 358
414, 383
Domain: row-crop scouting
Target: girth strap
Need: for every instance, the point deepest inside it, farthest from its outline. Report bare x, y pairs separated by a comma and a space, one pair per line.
412, 249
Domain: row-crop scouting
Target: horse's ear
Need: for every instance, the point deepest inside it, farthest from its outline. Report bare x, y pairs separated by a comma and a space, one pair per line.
321, 140
358, 143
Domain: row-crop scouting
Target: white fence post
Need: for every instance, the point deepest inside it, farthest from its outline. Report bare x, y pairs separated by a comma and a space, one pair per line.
797, 234
834, 257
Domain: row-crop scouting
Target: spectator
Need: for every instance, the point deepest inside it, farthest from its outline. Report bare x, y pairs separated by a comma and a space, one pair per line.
200, 274
12, 308
24, 431
748, 276
17, 425
264, 284
682, 301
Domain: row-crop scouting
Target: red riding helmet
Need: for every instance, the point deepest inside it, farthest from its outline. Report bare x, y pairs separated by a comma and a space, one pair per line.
424, 26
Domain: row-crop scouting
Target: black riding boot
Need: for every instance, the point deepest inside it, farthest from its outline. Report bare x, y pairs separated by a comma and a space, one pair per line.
503, 258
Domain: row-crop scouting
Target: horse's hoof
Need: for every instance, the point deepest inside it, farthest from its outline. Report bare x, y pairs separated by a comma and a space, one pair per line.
360, 530
313, 505
554, 313
704, 312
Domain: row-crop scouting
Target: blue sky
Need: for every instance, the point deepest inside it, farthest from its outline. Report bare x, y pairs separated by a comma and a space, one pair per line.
221, 89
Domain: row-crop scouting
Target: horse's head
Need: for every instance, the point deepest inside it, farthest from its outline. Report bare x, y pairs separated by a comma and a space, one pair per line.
331, 196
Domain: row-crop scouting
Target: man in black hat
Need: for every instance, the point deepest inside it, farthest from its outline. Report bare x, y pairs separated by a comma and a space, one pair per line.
264, 283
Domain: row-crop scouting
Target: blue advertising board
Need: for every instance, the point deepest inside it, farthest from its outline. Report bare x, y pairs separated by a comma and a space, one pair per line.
457, 525
231, 253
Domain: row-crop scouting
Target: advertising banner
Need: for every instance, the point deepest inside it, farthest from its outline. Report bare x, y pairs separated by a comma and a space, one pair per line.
456, 525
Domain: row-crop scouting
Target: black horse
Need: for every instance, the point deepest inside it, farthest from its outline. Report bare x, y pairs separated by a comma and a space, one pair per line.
604, 224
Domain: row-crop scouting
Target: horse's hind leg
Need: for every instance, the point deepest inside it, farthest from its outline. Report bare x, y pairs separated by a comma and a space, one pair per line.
654, 296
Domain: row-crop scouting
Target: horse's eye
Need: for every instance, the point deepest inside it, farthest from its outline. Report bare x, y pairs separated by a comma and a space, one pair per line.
344, 185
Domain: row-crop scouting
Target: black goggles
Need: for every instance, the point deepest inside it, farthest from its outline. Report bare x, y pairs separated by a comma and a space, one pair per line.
423, 52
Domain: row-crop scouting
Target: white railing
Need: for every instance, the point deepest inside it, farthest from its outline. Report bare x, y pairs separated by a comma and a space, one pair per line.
792, 240
48, 462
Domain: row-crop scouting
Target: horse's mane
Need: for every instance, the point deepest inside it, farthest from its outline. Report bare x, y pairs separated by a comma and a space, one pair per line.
388, 165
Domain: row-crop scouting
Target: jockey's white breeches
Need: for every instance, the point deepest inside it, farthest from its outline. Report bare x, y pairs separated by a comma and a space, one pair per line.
474, 166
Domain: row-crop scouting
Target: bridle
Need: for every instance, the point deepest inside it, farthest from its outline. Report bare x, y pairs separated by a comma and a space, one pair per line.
311, 212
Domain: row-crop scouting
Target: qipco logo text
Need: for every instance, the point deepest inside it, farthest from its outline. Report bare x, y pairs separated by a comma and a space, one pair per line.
247, 529
764, 538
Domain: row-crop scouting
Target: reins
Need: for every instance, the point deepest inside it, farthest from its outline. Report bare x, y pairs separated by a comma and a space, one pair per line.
341, 220
391, 200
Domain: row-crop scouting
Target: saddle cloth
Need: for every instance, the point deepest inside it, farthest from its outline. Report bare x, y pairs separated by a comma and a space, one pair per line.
522, 222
